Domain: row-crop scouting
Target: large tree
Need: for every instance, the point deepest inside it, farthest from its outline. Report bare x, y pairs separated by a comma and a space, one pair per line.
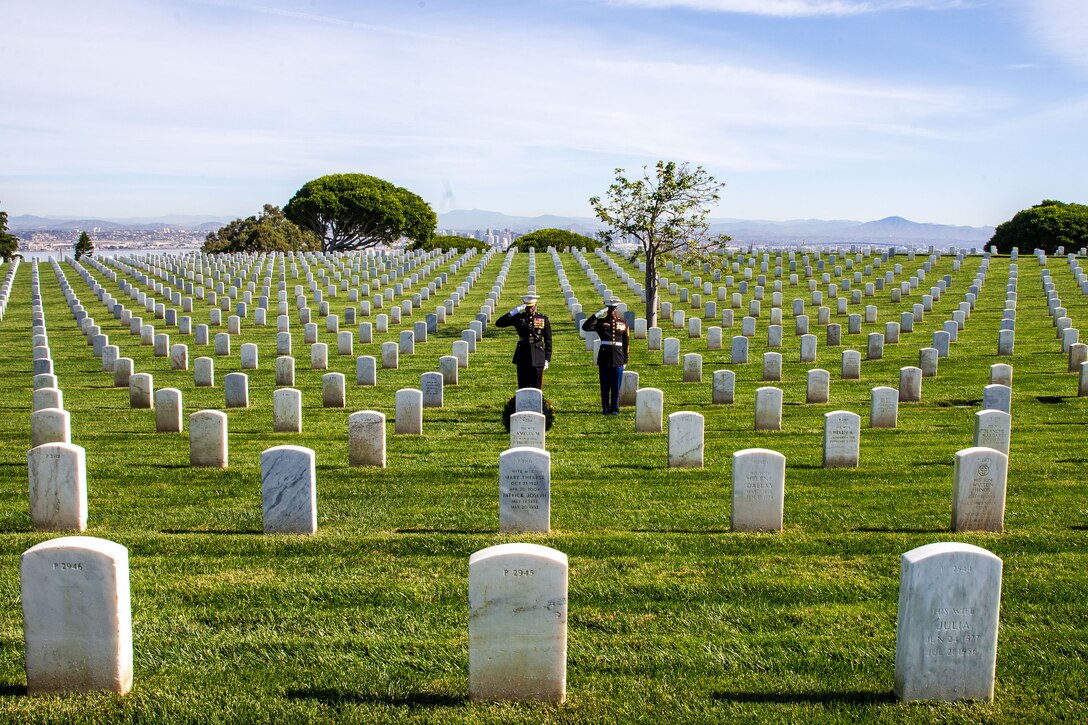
1047, 225
355, 211
84, 246
271, 231
665, 212
541, 239
9, 243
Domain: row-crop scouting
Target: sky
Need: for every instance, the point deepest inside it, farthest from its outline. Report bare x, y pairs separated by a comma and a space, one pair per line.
954, 112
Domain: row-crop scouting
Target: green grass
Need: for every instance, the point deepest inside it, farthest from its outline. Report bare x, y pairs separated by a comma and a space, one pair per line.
672, 617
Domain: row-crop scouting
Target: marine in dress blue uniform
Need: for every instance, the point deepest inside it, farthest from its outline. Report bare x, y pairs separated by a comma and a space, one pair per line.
612, 355
534, 349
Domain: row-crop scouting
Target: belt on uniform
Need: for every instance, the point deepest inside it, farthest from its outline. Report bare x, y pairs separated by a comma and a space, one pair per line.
609, 342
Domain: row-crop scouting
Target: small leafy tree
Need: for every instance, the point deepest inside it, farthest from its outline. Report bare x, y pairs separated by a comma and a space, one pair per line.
450, 241
84, 246
9, 243
355, 211
1047, 225
269, 232
665, 212
541, 239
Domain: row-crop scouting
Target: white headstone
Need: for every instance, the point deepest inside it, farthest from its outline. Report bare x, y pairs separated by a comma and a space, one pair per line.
366, 439
289, 490
978, 490
77, 616
50, 425
528, 399
842, 439
818, 386
759, 480
208, 439
649, 410
686, 440
58, 487
409, 412
168, 410
527, 430
993, 429
768, 408
524, 490
236, 390
884, 408
517, 619
286, 410
946, 634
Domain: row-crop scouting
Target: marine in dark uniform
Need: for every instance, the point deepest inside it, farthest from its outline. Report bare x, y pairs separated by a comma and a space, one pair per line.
534, 349
612, 355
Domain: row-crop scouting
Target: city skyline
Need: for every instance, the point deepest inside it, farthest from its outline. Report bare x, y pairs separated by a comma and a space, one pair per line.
957, 112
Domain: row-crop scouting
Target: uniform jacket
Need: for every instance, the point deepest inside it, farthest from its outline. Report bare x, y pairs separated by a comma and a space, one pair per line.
612, 330
534, 337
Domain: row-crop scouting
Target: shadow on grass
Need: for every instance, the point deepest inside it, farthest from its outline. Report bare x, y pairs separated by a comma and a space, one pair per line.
1054, 399
893, 530
681, 531
974, 402
168, 465
1079, 528
471, 532
9, 690
330, 696
214, 532
849, 697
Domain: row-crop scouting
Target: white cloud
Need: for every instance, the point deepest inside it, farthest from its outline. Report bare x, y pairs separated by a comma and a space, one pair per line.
793, 8
1060, 27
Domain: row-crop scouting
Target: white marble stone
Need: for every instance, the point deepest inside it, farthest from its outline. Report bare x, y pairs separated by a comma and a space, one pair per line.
772, 366
58, 487
1001, 374
517, 624
168, 410
409, 412
141, 391
366, 438
739, 350
628, 389
43, 398
851, 365
842, 439
208, 439
204, 372
768, 408
928, 359
759, 484
693, 368
978, 490
524, 490
910, 384
289, 490
390, 355
723, 385
527, 430
649, 410
997, 397
817, 386
808, 349
366, 370
179, 357
77, 616
222, 343
50, 425
249, 356
528, 399
670, 351
460, 350
333, 390
884, 407
122, 372
319, 356
285, 371
236, 390
287, 410
686, 440
947, 624
993, 429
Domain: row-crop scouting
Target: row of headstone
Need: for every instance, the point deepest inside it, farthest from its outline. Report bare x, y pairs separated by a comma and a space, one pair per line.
946, 634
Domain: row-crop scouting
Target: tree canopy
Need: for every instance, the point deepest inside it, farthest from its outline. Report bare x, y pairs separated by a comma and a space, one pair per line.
271, 231
355, 211
541, 239
450, 241
665, 212
1047, 225
84, 246
9, 243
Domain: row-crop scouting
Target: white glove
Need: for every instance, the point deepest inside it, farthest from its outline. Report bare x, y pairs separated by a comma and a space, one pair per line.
602, 313
545, 364
517, 310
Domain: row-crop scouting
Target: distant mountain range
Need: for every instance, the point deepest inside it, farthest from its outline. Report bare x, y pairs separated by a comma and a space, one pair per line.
892, 229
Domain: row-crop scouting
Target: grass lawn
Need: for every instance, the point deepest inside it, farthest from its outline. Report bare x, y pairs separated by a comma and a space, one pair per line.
672, 618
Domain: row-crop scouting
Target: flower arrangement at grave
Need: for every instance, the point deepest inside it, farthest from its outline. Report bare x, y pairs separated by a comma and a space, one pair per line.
508, 410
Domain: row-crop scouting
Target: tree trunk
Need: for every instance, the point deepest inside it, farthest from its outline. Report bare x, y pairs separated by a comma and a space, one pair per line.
651, 290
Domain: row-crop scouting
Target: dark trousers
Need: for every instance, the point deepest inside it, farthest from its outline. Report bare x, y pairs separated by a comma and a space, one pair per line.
531, 377
610, 388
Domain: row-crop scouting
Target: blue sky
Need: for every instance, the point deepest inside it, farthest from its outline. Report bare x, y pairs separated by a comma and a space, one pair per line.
958, 112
